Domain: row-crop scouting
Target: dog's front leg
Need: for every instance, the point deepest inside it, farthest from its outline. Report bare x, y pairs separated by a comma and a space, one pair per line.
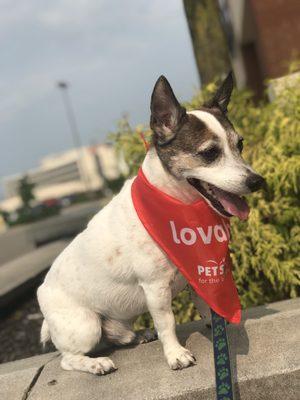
159, 301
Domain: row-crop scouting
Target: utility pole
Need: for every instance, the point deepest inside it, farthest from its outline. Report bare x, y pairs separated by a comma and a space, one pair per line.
64, 86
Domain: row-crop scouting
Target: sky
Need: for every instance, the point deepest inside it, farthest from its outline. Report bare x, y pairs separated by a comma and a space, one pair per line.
110, 52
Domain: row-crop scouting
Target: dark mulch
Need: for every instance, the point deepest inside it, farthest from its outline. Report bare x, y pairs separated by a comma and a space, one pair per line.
20, 330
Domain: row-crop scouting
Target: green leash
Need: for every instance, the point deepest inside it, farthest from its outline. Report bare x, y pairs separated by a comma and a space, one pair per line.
224, 386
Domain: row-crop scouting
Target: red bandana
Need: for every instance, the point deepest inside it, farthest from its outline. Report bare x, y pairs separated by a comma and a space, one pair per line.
195, 238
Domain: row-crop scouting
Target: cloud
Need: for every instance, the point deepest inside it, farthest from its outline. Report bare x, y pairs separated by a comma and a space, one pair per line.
70, 14
72, 37
111, 51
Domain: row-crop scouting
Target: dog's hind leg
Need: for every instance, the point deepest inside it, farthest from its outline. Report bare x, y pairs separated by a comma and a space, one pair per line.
75, 331
80, 334
79, 362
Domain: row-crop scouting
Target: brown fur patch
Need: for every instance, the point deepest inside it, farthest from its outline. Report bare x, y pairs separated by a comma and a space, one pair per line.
189, 137
232, 136
181, 153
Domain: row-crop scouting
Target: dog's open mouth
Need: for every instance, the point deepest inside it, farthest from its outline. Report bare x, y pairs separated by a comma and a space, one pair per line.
226, 203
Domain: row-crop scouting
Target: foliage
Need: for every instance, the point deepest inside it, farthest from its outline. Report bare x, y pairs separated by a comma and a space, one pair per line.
115, 185
266, 248
25, 191
27, 215
129, 142
28, 212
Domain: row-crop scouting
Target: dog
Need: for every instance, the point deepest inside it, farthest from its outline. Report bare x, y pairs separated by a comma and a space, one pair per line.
113, 271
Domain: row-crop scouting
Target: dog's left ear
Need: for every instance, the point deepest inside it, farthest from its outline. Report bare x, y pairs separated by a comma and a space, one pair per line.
166, 112
222, 96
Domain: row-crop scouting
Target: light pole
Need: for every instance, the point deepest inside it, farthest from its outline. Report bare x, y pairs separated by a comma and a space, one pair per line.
63, 86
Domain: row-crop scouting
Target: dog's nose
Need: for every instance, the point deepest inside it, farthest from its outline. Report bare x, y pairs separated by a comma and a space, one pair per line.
255, 182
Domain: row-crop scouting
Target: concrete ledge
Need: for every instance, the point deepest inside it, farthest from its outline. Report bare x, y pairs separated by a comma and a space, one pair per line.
265, 356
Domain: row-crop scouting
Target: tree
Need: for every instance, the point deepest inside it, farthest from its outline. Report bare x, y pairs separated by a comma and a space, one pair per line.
26, 191
208, 38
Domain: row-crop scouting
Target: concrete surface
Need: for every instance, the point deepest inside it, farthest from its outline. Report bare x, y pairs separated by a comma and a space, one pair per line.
16, 378
21, 274
13, 243
265, 358
22, 263
69, 222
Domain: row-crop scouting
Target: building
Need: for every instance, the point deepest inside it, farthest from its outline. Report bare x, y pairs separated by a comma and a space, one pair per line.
262, 38
71, 172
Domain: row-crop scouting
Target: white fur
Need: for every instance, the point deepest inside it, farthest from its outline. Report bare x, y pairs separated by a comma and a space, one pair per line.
229, 172
211, 122
113, 269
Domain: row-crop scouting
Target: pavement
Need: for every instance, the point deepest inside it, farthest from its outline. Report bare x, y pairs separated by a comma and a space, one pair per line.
22, 239
28, 251
22, 273
265, 358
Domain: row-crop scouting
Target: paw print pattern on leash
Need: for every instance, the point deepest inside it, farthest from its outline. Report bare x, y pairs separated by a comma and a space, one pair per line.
219, 330
224, 388
221, 359
220, 343
223, 373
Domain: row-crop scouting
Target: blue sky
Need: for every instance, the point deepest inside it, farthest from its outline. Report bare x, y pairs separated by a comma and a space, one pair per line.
111, 52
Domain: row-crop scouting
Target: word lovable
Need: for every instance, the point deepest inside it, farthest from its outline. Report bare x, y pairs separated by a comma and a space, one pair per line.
189, 236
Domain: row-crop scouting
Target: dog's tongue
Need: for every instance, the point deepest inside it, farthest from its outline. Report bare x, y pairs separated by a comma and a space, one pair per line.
233, 204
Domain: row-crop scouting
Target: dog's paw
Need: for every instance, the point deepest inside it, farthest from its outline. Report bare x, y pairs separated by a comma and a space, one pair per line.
96, 366
179, 358
146, 336
101, 366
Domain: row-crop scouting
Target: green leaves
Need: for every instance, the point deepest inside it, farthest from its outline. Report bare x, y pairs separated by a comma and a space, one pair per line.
25, 191
129, 143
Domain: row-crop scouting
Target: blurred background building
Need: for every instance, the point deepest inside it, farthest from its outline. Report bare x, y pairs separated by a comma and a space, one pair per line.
61, 175
261, 38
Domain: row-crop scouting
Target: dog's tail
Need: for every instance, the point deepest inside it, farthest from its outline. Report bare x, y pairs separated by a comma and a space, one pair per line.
45, 333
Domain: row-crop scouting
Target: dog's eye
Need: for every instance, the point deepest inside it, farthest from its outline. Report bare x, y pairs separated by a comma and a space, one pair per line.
240, 144
210, 154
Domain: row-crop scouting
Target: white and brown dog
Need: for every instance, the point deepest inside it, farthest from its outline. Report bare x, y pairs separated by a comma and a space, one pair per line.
113, 271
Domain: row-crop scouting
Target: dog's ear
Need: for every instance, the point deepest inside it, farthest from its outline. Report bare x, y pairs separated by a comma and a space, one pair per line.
166, 112
222, 96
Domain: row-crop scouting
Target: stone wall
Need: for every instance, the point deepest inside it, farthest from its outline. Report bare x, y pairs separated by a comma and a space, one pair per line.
265, 358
